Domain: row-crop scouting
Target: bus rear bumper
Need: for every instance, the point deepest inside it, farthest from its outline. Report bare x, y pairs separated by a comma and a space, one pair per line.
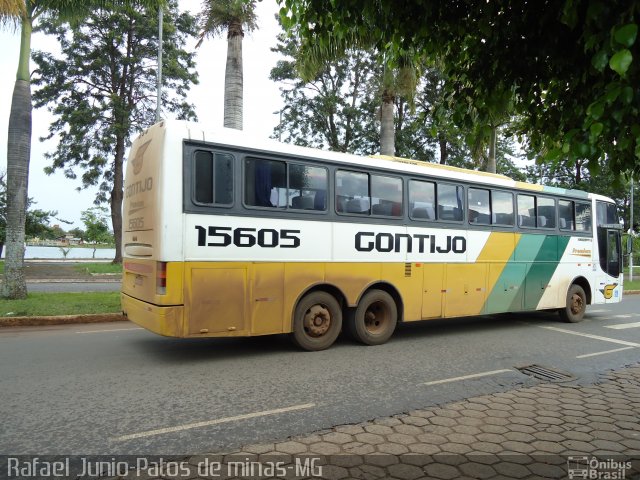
167, 321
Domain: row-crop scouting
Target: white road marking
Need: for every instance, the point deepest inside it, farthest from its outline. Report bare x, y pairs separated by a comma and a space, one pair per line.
466, 377
626, 315
112, 330
622, 326
587, 355
217, 421
595, 337
600, 310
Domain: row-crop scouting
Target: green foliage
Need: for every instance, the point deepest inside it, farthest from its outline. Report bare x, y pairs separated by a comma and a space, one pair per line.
339, 109
51, 304
36, 223
336, 109
221, 16
102, 88
572, 66
99, 268
96, 225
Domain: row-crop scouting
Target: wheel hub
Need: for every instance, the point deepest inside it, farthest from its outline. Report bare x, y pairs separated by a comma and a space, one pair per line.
317, 321
576, 304
375, 318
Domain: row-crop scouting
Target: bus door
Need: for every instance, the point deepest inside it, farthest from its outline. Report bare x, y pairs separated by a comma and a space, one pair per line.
609, 249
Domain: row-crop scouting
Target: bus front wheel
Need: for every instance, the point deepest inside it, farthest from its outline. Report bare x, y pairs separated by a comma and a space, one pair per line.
576, 305
375, 318
317, 321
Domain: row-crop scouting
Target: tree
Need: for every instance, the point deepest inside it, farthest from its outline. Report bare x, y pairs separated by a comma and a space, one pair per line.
336, 104
78, 233
232, 16
106, 75
335, 109
573, 65
96, 227
24, 13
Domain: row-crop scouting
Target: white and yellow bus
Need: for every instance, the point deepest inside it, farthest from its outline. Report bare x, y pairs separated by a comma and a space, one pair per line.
226, 235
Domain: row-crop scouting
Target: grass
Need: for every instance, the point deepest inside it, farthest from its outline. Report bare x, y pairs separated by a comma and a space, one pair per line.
50, 304
631, 285
99, 268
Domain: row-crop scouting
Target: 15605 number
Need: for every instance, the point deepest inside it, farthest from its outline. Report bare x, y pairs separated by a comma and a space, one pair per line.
247, 237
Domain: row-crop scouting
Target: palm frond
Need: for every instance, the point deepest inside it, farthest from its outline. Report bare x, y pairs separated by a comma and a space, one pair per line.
217, 15
11, 11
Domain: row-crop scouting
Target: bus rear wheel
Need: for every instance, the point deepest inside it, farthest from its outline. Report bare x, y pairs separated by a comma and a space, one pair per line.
576, 305
374, 320
317, 321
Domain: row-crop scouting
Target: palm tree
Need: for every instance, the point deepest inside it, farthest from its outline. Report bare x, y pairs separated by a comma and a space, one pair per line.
400, 81
400, 71
232, 16
23, 13
484, 135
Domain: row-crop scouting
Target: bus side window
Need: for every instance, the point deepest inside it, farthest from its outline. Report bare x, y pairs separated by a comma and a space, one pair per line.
307, 187
526, 211
450, 202
265, 183
213, 178
565, 214
352, 192
502, 208
583, 217
479, 206
386, 193
546, 211
422, 198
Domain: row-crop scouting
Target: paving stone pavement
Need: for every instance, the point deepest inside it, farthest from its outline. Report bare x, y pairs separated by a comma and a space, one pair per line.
547, 431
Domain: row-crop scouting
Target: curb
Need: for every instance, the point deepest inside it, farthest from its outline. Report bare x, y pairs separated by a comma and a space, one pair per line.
61, 320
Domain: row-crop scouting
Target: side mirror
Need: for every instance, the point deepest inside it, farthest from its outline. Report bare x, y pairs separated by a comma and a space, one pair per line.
629, 245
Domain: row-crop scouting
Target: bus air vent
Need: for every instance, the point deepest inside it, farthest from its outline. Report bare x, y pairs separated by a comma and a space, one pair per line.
546, 374
407, 269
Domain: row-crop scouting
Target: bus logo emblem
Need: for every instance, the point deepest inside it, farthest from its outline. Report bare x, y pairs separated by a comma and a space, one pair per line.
608, 290
137, 160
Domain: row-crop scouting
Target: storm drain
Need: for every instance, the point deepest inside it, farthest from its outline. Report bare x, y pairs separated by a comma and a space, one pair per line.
546, 374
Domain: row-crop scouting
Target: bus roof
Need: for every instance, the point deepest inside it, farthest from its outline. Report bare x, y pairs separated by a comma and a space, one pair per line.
235, 138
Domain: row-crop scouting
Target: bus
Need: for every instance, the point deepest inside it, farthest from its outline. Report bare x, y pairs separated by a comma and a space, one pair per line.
225, 235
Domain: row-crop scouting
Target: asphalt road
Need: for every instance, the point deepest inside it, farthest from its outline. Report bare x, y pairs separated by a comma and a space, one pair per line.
114, 388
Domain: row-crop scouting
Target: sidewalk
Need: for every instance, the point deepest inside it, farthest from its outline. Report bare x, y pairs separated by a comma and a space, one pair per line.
547, 431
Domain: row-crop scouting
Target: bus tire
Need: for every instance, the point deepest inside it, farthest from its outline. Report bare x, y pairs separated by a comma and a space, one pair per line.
576, 305
317, 321
374, 320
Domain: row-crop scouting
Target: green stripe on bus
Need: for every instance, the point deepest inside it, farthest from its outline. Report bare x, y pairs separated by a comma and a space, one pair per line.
542, 269
508, 290
524, 279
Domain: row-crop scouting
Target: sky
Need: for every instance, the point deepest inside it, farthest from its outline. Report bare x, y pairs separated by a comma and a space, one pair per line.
261, 100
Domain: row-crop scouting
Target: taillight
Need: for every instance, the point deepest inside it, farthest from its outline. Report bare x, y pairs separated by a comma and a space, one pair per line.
161, 278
